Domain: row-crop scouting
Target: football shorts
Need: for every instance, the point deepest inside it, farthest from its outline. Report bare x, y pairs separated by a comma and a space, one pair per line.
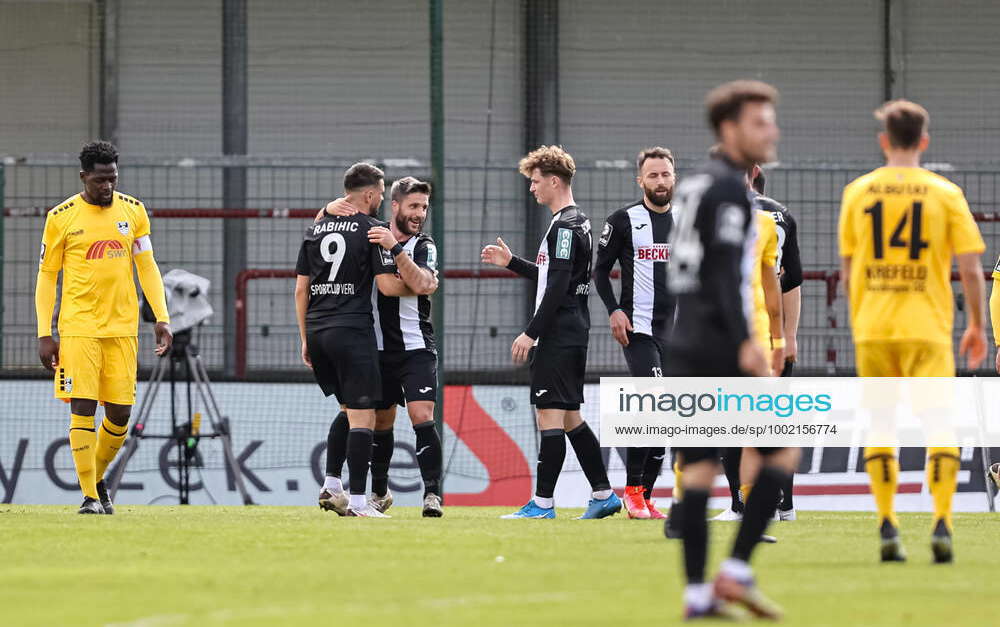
97, 368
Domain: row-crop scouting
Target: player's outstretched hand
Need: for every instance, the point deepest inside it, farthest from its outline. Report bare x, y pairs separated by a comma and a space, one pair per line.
752, 360
48, 352
777, 361
305, 355
164, 338
620, 326
973, 346
520, 348
498, 255
382, 236
338, 207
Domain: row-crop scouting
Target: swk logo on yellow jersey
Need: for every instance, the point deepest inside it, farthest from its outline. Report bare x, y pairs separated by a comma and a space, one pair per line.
106, 249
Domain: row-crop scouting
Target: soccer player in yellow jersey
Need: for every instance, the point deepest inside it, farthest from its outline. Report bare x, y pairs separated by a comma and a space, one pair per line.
94, 238
995, 310
900, 227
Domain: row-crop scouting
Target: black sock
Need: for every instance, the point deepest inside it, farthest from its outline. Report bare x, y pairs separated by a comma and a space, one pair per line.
760, 508
787, 501
359, 456
551, 453
429, 456
588, 451
651, 472
336, 445
382, 445
731, 464
694, 529
634, 463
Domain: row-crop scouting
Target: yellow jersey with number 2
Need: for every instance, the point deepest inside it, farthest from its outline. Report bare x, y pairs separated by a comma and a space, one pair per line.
901, 227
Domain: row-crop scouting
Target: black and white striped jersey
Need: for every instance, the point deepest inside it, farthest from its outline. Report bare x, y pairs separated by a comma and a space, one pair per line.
789, 262
404, 323
711, 247
639, 240
562, 271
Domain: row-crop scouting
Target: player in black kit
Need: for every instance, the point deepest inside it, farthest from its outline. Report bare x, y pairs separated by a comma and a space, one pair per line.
407, 354
337, 267
555, 341
636, 237
709, 272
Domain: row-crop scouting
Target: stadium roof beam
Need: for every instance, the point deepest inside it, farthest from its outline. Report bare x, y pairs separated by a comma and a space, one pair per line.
893, 50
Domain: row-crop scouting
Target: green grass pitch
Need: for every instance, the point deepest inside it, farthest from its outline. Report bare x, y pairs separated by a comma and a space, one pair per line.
164, 566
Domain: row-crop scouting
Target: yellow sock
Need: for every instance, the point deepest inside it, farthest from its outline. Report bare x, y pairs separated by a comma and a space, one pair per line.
942, 479
110, 438
745, 491
83, 443
678, 486
883, 470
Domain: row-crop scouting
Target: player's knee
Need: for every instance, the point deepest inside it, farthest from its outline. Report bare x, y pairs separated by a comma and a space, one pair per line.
385, 418
118, 414
83, 406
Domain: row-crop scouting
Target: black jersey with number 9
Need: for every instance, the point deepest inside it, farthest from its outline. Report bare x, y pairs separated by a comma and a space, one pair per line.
341, 265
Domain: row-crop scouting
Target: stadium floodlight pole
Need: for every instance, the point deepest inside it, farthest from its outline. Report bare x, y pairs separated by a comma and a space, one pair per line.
3, 218
436, 15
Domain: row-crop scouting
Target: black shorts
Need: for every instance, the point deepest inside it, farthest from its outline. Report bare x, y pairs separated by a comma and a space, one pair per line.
407, 376
691, 454
557, 375
644, 355
345, 364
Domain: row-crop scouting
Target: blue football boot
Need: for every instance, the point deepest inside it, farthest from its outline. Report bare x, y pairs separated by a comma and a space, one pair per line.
602, 508
532, 510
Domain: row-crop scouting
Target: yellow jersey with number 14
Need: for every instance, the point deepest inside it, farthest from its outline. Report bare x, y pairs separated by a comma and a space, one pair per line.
901, 227
94, 247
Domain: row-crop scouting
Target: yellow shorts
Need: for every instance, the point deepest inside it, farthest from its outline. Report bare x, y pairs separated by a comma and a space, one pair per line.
97, 368
904, 359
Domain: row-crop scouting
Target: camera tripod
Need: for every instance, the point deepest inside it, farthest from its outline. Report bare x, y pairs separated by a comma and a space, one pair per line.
185, 434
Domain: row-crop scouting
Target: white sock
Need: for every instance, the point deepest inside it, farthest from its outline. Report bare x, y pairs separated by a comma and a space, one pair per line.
600, 495
738, 569
333, 485
698, 595
358, 501
546, 502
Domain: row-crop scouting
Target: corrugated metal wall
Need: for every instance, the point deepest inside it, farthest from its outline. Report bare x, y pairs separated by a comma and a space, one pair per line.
48, 60
643, 81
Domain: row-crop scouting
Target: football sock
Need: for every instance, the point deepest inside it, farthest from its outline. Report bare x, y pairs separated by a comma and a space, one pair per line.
382, 444
883, 470
544, 501
600, 495
333, 485
336, 445
943, 464
698, 595
787, 502
744, 493
429, 456
551, 454
359, 457
731, 464
357, 502
758, 511
110, 438
588, 452
678, 483
82, 443
694, 529
651, 472
634, 463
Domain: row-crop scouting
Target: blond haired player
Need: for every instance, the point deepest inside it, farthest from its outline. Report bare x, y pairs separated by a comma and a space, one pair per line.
94, 238
900, 227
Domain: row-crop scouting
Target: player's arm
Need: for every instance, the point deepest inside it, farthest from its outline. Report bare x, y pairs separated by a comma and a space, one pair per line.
420, 272
791, 287
301, 307
967, 244
772, 301
847, 240
995, 313
609, 249
559, 274
151, 281
50, 263
415, 280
